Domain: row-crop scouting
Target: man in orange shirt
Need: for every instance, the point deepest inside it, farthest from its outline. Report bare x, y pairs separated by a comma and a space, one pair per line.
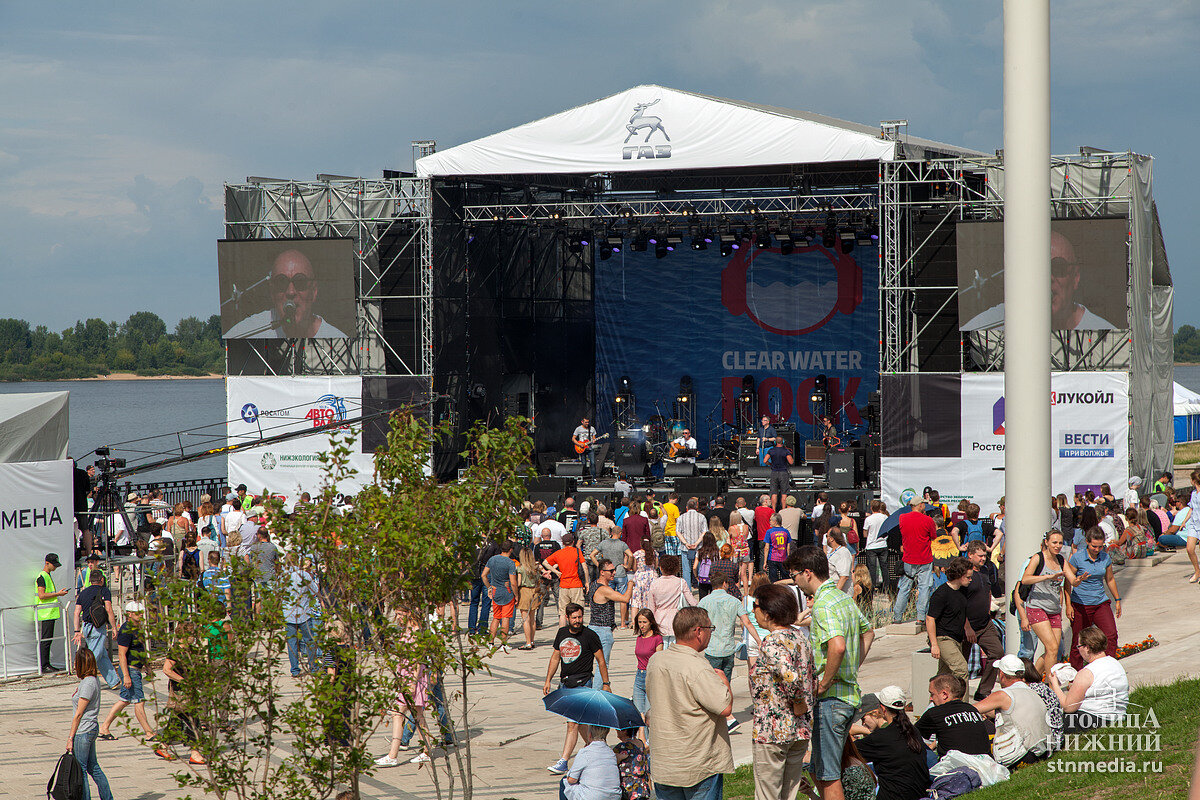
566, 563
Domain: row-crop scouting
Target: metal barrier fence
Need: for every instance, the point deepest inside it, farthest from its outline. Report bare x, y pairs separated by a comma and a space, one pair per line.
7, 628
178, 491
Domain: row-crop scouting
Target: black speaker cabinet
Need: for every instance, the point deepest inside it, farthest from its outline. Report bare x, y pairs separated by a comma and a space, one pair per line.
672, 470
839, 470
700, 487
549, 484
570, 468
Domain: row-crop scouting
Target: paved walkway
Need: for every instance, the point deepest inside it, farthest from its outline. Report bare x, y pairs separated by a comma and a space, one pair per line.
514, 739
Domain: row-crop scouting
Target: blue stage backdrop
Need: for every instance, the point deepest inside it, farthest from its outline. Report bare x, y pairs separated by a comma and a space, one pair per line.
783, 319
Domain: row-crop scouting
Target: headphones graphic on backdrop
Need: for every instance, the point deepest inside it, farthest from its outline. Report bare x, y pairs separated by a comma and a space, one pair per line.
774, 302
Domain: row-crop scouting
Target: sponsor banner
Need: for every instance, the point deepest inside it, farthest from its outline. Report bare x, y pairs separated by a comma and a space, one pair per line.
1089, 424
36, 517
780, 319
261, 407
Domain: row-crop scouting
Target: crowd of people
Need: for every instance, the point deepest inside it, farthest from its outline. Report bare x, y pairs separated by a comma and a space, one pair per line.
701, 585
790, 591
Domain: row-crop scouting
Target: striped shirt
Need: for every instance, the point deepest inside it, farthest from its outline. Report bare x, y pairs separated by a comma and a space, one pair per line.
691, 528
834, 613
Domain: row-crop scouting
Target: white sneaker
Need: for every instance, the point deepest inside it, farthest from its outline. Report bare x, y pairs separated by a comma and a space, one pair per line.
420, 758
505, 649
386, 761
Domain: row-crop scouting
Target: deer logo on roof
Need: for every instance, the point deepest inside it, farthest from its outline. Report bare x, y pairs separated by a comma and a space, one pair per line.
639, 120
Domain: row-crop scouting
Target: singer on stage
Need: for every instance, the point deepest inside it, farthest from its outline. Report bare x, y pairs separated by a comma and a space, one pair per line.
293, 295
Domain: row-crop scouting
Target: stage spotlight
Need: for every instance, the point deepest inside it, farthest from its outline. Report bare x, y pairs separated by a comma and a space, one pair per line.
688, 210
674, 239
699, 244
847, 237
555, 215
752, 209
787, 244
728, 244
873, 231
614, 243
820, 383
639, 243
829, 237
625, 212
809, 235
606, 252
574, 244
626, 384
478, 391
762, 237
862, 237
661, 250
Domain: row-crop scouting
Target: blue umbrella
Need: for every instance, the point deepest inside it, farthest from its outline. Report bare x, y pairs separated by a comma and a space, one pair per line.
893, 520
593, 707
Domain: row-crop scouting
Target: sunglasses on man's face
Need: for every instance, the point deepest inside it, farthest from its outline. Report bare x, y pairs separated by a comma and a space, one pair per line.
279, 283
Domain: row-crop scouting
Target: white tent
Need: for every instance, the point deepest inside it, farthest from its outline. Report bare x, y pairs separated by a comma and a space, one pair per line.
33, 427
1187, 414
651, 128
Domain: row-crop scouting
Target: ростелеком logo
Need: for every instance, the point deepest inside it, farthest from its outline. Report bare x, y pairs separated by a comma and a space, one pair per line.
998, 417
639, 121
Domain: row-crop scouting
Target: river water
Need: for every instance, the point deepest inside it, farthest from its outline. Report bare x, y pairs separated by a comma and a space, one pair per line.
113, 412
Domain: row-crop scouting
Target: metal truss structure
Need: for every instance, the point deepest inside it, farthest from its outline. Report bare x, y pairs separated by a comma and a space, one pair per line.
390, 220
944, 192
682, 210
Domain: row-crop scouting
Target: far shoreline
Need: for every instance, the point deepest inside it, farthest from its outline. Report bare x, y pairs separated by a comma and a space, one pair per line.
123, 376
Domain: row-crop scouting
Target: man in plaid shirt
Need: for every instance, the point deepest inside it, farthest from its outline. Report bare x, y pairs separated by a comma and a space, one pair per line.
841, 638
690, 528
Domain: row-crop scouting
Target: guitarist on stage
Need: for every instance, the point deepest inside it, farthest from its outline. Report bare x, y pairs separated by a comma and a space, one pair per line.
684, 443
766, 439
583, 438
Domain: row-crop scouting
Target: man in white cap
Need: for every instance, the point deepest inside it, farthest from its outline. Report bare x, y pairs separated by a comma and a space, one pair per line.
1023, 733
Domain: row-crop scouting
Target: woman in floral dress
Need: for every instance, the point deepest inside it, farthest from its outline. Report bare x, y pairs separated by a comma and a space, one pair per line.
782, 685
645, 566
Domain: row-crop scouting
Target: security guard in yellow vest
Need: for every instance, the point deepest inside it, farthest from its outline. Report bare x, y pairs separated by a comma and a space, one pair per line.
47, 611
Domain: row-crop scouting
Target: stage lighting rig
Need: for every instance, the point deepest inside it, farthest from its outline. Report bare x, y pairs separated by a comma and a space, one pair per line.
698, 243
829, 237
661, 250
847, 238
625, 212
809, 235
762, 237
674, 239
728, 244
688, 210
787, 244
640, 242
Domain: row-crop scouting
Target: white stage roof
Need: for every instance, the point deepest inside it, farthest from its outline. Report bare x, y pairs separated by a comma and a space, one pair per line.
653, 128
33, 427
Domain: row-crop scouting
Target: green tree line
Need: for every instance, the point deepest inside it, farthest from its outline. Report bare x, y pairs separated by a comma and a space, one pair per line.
94, 347
1187, 344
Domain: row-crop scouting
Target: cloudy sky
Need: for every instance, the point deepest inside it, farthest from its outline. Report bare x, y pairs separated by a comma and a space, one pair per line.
119, 122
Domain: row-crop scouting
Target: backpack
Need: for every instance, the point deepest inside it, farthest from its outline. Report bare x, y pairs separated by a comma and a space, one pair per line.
97, 614
66, 782
954, 783
658, 536
703, 569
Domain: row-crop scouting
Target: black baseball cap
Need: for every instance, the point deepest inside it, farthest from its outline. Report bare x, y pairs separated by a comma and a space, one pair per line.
93, 556
52, 558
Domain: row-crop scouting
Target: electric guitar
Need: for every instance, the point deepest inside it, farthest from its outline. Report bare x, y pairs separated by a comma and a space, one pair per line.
580, 449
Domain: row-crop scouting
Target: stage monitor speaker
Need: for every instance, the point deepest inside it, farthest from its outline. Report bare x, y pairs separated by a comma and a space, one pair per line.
799, 471
747, 455
545, 462
757, 473
839, 470
548, 484
700, 487
672, 470
571, 468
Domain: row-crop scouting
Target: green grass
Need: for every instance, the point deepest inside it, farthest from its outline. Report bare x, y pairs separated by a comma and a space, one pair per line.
1187, 453
1177, 708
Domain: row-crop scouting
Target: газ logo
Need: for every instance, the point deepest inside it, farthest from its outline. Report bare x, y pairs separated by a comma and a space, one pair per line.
775, 303
641, 120
998, 417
